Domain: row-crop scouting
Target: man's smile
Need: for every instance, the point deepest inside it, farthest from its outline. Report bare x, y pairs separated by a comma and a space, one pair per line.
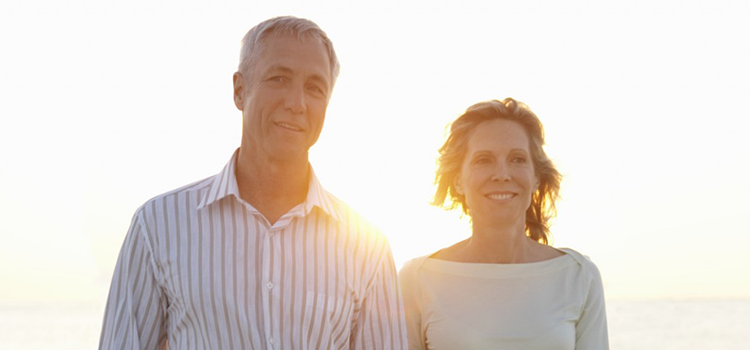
288, 126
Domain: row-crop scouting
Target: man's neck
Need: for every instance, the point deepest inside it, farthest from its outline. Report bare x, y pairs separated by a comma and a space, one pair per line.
273, 187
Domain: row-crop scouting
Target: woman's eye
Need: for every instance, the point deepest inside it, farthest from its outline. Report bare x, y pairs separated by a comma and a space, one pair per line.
483, 160
519, 160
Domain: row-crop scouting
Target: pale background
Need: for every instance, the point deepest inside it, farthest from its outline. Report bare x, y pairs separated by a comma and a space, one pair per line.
104, 104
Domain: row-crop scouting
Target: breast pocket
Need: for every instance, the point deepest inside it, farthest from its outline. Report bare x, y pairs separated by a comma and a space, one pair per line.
326, 319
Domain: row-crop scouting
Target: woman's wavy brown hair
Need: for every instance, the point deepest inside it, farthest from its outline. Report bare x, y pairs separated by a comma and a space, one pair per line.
452, 155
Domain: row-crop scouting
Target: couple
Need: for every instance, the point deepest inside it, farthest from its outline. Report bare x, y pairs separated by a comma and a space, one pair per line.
260, 256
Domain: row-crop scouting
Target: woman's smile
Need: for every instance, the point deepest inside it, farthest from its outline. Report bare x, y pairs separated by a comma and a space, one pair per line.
500, 196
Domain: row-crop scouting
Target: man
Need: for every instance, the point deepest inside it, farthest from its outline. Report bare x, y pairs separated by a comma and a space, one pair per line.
259, 256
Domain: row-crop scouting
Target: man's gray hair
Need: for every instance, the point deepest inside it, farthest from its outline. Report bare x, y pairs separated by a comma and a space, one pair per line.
303, 29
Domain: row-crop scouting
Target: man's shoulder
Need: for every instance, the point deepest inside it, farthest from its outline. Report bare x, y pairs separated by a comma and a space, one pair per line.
350, 216
356, 223
191, 192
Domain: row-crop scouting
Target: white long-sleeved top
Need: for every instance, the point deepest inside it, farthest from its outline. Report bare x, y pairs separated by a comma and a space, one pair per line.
202, 269
557, 304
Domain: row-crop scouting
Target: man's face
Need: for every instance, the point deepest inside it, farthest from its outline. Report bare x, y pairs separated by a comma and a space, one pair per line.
284, 99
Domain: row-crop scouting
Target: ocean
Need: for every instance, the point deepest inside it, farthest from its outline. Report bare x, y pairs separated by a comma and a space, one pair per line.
679, 324
633, 325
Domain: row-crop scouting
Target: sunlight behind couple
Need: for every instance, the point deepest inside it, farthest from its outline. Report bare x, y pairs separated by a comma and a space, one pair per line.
645, 121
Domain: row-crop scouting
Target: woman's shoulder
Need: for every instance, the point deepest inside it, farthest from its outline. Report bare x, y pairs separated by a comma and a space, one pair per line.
584, 261
447, 253
413, 265
408, 276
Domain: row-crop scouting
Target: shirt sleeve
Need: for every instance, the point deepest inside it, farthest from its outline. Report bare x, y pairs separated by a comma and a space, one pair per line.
135, 312
381, 320
412, 310
591, 329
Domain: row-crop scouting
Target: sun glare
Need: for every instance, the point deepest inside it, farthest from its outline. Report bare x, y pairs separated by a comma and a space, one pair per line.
643, 107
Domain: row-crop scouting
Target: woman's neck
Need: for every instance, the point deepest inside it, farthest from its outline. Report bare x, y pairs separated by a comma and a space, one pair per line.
498, 243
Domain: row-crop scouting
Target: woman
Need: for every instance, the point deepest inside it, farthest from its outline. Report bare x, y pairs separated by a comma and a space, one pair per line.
504, 287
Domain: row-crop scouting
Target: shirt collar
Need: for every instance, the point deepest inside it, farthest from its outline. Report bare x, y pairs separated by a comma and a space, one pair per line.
225, 184
317, 196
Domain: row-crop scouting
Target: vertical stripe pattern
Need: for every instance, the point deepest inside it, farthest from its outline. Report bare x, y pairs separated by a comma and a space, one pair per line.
202, 269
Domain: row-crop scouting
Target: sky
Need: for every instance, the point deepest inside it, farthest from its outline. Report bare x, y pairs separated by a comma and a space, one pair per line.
105, 104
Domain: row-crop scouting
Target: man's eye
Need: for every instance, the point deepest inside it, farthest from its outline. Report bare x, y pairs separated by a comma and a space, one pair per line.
278, 79
315, 89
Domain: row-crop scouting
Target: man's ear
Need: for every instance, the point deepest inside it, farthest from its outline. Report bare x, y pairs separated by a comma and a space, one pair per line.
238, 81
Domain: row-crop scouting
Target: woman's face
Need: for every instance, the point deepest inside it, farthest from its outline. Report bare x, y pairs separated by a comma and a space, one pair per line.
497, 176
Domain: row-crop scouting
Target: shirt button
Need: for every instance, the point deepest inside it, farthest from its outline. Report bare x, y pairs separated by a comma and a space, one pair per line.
271, 340
269, 285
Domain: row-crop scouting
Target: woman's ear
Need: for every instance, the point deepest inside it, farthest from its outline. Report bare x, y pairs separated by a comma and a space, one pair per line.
457, 184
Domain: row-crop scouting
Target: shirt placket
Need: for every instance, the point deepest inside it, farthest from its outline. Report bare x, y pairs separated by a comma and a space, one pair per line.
272, 292
268, 287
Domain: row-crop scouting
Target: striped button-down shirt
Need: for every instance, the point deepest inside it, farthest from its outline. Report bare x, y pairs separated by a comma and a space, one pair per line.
201, 268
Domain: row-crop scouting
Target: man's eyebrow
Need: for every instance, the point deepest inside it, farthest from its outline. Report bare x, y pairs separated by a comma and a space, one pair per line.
284, 69
277, 68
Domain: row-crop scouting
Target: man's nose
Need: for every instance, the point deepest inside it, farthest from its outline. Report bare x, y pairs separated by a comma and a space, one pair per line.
295, 100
